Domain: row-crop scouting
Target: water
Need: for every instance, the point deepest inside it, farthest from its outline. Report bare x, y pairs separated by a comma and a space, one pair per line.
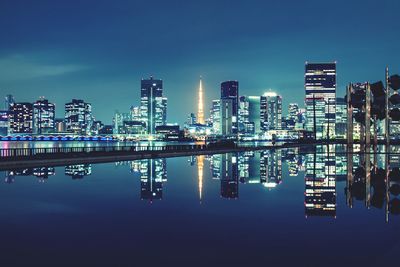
282, 207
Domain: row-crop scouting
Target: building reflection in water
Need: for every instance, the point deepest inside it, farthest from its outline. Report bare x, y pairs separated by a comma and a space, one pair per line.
320, 182
42, 173
228, 173
271, 168
78, 171
374, 179
153, 172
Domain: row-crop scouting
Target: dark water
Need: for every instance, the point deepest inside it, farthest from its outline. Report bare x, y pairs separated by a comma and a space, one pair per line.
275, 208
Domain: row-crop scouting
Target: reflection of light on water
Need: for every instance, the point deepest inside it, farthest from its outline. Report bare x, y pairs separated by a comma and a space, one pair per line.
200, 167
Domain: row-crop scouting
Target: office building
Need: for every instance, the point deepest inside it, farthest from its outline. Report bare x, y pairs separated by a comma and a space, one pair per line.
230, 91
43, 116
78, 117
4, 122
226, 117
320, 84
215, 116
341, 118
271, 111
21, 118
153, 106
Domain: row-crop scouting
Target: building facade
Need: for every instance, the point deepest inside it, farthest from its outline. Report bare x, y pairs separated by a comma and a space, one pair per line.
43, 116
320, 83
21, 118
78, 117
271, 112
230, 91
153, 106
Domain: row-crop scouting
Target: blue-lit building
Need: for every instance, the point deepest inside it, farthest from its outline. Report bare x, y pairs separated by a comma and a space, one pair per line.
43, 117
230, 91
78, 117
21, 118
320, 83
4, 122
271, 111
153, 106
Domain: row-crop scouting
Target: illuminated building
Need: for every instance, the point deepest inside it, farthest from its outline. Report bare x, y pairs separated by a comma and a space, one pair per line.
215, 116
200, 111
153, 106
271, 111
320, 183
320, 83
316, 117
132, 127
135, 113
191, 119
21, 118
153, 172
43, 116
226, 117
291, 118
78, 171
4, 122
230, 91
78, 117
60, 126
119, 120
341, 118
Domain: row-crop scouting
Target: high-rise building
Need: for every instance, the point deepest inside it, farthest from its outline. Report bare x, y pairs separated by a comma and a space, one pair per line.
341, 117
78, 117
291, 119
135, 113
191, 119
60, 126
320, 83
4, 122
21, 118
226, 116
215, 116
8, 102
230, 91
249, 114
153, 106
271, 111
200, 108
43, 116
315, 116
119, 119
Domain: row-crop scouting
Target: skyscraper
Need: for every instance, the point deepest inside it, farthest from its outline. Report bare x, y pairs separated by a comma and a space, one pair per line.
153, 106
21, 118
320, 83
4, 122
271, 111
230, 91
78, 117
215, 116
43, 116
249, 114
341, 117
200, 111
226, 116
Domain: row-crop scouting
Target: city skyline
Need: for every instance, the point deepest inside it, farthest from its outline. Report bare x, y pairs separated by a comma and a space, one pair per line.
265, 47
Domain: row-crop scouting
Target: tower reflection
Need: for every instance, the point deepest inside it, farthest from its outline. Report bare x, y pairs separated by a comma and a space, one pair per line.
320, 182
153, 172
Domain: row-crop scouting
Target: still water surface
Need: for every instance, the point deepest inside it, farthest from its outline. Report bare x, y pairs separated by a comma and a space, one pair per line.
276, 208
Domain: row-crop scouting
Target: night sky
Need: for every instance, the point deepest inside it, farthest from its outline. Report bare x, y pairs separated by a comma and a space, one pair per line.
99, 50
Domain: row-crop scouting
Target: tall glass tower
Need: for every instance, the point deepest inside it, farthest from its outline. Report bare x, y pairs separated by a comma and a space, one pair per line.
153, 106
320, 89
230, 91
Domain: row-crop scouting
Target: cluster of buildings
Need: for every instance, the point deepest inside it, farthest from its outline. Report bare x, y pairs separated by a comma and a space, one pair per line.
24, 118
232, 116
